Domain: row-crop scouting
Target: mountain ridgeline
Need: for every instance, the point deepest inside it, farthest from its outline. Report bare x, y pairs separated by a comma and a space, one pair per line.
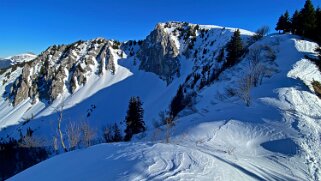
67, 67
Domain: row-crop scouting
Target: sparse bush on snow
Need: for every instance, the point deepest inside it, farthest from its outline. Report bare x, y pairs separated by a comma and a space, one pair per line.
259, 34
87, 133
73, 133
244, 89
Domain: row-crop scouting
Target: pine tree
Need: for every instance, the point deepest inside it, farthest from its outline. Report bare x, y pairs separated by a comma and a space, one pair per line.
134, 118
317, 31
287, 22
117, 135
284, 23
319, 53
308, 19
279, 24
221, 55
296, 23
234, 49
177, 104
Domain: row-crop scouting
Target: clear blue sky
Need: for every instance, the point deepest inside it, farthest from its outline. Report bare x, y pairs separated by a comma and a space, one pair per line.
33, 25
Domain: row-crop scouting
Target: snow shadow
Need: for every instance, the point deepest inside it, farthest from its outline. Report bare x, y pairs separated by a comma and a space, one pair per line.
284, 146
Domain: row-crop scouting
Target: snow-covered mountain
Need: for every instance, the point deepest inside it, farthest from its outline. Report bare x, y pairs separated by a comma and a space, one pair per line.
80, 73
274, 135
16, 59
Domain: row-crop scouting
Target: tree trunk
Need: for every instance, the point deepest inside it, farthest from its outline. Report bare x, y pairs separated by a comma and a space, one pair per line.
60, 132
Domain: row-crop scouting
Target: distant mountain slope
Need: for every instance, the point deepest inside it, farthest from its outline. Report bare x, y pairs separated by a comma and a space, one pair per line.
12, 60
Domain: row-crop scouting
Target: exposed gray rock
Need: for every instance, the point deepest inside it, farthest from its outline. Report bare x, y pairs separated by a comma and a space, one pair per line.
101, 58
20, 88
110, 64
62, 67
78, 78
158, 54
57, 85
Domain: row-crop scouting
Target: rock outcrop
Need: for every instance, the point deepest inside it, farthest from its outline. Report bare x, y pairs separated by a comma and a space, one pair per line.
159, 54
63, 68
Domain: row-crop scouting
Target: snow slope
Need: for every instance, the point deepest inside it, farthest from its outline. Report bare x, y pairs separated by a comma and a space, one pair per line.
276, 138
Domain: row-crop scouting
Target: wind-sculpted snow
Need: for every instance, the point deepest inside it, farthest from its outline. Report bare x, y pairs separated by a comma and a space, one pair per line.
126, 162
186, 158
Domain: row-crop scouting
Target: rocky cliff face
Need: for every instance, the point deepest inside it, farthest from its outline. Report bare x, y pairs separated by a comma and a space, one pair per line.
64, 68
159, 52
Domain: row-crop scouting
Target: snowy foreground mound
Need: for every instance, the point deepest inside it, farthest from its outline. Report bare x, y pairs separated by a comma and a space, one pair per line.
276, 138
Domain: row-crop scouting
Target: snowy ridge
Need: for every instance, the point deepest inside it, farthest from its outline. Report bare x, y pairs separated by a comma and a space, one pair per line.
26, 57
13, 60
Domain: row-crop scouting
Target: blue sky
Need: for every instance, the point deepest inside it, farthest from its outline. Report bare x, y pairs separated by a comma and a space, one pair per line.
33, 25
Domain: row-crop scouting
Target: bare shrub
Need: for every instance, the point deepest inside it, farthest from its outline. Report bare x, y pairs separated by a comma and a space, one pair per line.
29, 141
230, 92
169, 125
263, 31
111, 133
162, 116
255, 55
269, 53
230, 150
260, 33
73, 133
87, 133
55, 145
244, 89
257, 69
257, 73
107, 133
156, 134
